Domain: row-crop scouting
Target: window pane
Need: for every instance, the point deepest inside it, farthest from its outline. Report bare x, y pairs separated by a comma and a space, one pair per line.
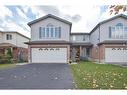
7, 37
43, 32
74, 38
56, 30
84, 37
125, 32
52, 32
59, 32
40, 32
47, 32
10, 37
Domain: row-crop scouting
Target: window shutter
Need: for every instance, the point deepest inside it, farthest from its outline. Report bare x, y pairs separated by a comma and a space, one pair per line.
40, 32
110, 32
43, 32
59, 32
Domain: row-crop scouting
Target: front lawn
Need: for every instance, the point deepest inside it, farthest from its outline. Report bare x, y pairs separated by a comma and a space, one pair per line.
6, 65
89, 75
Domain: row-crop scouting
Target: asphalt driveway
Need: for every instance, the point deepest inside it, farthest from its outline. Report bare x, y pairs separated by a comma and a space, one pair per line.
37, 76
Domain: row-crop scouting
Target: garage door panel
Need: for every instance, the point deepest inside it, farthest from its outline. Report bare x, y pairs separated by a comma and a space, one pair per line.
48, 55
115, 55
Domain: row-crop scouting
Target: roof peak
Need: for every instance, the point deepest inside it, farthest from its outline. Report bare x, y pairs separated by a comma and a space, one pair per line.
49, 15
109, 19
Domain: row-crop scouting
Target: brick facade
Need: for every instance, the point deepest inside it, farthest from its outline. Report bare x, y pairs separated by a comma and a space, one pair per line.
20, 54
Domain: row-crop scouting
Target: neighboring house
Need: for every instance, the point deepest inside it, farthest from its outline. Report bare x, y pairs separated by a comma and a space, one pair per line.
109, 39
53, 42
15, 41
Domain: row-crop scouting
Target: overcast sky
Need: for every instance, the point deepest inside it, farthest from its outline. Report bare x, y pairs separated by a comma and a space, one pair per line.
83, 17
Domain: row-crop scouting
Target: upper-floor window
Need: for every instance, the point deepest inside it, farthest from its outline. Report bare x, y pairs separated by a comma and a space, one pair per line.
50, 31
74, 37
8, 37
119, 31
84, 37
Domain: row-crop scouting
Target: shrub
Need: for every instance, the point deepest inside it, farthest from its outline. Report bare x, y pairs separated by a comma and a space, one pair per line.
6, 58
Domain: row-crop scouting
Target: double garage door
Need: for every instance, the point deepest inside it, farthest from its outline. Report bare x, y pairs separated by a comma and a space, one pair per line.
116, 55
49, 55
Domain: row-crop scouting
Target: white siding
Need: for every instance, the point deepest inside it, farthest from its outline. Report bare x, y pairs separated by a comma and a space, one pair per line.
104, 28
17, 39
12, 41
79, 38
65, 29
94, 37
21, 40
1, 37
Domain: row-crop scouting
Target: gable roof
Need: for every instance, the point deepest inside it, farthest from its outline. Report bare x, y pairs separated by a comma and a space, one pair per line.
47, 16
102, 22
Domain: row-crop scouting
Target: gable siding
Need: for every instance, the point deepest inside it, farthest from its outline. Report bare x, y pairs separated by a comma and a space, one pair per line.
12, 41
17, 39
20, 41
94, 37
1, 37
65, 29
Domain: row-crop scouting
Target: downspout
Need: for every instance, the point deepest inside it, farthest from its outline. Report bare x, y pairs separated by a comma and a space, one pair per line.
99, 42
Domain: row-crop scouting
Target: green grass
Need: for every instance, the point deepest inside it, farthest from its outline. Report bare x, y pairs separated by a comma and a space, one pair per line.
7, 65
89, 75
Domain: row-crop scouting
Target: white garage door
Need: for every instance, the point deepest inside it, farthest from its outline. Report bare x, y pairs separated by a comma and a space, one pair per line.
115, 55
49, 55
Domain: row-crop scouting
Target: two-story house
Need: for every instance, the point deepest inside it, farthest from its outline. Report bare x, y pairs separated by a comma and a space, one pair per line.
15, 41
53, 42
50, 40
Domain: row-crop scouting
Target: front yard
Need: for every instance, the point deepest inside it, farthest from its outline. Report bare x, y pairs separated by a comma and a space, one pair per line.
88, 75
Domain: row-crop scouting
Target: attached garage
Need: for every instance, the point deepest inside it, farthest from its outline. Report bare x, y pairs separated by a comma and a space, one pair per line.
116, 55
49, 55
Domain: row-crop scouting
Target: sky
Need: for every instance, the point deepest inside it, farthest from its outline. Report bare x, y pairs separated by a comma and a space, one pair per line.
83, 17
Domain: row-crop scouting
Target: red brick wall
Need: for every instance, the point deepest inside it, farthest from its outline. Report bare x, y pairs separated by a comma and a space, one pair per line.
16, 51
2, 51
94, 53
97, 53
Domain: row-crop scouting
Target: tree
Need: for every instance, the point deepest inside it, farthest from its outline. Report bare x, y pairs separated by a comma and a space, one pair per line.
116, 8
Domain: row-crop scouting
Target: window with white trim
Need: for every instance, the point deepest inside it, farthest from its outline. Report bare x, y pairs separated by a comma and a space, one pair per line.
74, 38
8, 37
50, 31
119, 31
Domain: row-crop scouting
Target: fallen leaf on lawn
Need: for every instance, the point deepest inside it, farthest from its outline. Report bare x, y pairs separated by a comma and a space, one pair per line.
84, 78
111, 86
94, 81
114, 74
124, 84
